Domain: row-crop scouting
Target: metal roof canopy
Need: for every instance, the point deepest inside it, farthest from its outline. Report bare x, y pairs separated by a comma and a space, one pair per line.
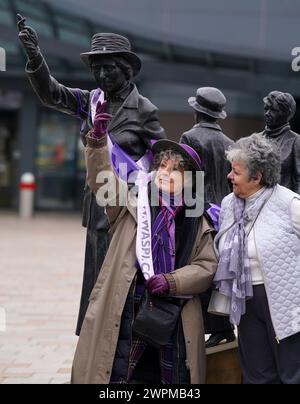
163, 34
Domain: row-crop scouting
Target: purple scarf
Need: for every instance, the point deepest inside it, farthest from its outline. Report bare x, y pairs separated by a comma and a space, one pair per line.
163, 235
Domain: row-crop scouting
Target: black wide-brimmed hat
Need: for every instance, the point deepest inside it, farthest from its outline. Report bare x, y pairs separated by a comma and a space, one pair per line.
112, 44
210, 101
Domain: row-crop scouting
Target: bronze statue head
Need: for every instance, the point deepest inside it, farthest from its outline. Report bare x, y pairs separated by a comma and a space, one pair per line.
279, 109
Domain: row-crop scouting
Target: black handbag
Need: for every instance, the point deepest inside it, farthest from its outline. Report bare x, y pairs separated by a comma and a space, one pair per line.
156, 319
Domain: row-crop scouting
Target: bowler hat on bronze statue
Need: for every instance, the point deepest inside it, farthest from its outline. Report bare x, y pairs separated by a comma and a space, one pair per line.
107, 44
209, 101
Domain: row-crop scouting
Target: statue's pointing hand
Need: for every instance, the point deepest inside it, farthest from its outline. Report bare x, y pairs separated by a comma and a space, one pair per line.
28, 38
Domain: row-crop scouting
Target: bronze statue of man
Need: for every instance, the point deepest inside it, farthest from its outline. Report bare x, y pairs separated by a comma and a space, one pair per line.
134, 121
208, 139
279, 109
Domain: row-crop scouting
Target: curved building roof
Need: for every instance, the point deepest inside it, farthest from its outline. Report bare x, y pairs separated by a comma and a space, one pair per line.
243, 47
257, 28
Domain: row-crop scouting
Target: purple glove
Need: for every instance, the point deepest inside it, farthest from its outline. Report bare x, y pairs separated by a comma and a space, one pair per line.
101, 121
157, 284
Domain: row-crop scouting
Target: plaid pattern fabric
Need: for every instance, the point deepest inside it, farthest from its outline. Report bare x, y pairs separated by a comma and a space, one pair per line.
166, 363
163, 238
137, 346
137, 349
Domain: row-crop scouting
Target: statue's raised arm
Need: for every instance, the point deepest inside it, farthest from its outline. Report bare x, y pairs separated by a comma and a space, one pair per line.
28, 38
51, 93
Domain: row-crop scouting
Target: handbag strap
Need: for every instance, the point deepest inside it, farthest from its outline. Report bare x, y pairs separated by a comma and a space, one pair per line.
254, 220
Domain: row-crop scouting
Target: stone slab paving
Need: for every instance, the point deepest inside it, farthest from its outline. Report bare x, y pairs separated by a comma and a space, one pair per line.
41, 264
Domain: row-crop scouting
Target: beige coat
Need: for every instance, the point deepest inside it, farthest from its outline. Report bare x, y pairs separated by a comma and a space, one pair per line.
97, 343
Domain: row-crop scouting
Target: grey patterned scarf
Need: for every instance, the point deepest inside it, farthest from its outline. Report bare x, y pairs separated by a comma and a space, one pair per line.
233, 277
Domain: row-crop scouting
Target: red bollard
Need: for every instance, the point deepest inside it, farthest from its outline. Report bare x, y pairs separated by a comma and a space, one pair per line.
27, 190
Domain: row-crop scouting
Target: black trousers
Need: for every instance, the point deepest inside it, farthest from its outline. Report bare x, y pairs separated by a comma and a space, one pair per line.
97, 242
263, 360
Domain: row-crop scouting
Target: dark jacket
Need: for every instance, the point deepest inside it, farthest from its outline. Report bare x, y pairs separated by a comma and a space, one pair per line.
132, 127
210, 143
289, 145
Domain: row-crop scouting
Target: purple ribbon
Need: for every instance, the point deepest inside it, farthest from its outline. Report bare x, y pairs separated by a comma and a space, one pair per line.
214, 213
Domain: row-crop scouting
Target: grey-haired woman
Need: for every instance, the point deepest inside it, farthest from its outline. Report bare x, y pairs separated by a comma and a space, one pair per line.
259, 267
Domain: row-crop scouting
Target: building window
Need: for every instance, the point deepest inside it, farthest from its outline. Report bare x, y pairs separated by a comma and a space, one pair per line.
60, 172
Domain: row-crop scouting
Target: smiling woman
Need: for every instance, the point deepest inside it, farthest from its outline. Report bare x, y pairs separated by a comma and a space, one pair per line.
255, 163
178, 265
242, 185
170, 167
259, 250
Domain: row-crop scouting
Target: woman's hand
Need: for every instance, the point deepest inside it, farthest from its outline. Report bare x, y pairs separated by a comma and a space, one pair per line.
101, 121
157, 284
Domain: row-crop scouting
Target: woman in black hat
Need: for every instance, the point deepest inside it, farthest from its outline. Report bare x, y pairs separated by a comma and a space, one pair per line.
157, 254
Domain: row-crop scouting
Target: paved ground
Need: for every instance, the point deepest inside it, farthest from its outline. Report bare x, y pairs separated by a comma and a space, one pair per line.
41, 264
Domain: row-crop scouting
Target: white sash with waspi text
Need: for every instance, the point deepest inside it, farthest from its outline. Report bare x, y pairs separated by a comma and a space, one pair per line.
144, 234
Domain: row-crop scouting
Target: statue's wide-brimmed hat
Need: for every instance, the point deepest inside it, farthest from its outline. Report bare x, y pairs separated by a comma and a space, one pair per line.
209, 101
186, 151
108, 44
